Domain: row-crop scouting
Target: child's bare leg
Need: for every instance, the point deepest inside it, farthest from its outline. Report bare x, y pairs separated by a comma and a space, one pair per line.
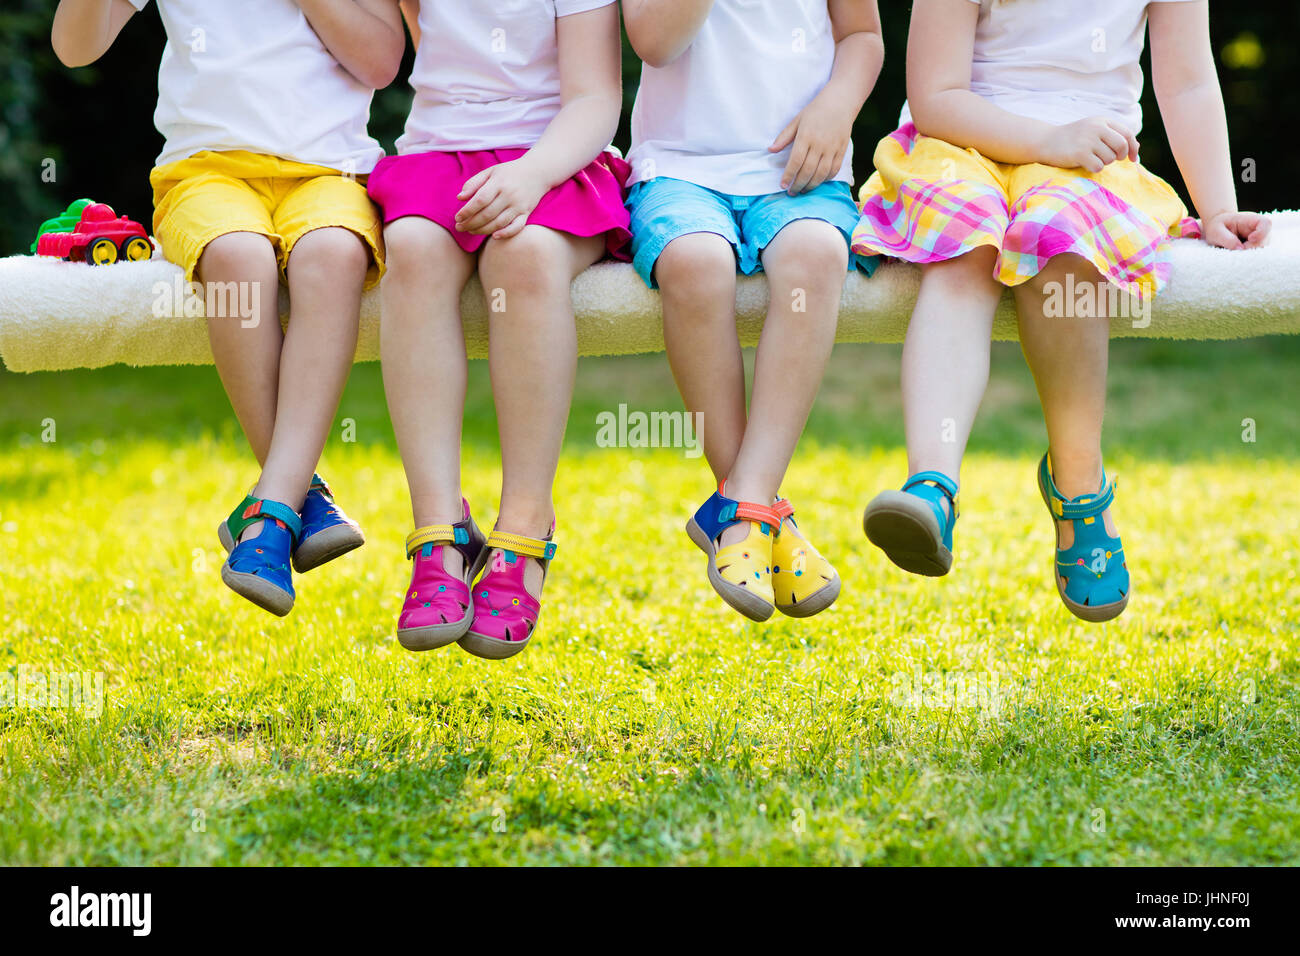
945, 367
533, 357
1069, 358
326, 271
422, 345
247, 356
697, 280
806, 265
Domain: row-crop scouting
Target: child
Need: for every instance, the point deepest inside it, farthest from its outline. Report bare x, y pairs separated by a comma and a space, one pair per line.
742, 163
263, 105
503, 169
1017, 165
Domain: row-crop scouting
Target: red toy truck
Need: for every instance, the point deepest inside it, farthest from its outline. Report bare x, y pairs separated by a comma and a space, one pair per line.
99, 238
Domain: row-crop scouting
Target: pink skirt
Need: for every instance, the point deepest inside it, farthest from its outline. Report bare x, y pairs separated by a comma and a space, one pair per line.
428, 184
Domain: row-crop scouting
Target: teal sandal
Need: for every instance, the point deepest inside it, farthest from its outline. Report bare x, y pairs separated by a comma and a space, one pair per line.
911, 526
1092, 574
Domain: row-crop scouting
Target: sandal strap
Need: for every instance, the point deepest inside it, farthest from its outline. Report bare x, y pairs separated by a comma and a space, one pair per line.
1084, 506
435, 534
750, 511
783, 508
941, 481
253, 509
318, 484
539, 548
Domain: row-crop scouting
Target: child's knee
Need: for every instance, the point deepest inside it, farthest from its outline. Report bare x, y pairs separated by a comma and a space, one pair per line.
536, 259
807, 251
963, 272
1058, 271
333, 253
415, 247
697, 267
235, 254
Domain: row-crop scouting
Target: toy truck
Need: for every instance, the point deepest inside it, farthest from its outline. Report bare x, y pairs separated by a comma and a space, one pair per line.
93, 233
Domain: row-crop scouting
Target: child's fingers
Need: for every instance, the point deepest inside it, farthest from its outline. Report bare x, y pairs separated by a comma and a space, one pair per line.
474, 183
496, 223
1129, 145
786, 138
482, 199
475, 221
513, 229
794, 167
1259, 235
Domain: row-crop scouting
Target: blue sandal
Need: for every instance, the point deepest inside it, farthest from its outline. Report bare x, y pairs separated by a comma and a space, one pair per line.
1092, 574
258, 568
911, 526
327, 533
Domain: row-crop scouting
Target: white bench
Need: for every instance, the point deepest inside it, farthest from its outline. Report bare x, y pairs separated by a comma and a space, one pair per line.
57, 315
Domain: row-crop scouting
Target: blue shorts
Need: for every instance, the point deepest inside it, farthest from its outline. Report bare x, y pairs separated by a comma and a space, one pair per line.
665, 209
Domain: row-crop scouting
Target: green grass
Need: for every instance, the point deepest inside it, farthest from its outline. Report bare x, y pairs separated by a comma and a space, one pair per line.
964, 720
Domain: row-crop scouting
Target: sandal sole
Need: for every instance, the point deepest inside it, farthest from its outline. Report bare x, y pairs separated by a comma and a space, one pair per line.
738, 598
333, 543
815, 603
325, 546
258, 590
905, 528
491, 648
1097, 614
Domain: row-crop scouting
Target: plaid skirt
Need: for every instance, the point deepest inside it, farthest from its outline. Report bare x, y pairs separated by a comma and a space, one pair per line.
930, 201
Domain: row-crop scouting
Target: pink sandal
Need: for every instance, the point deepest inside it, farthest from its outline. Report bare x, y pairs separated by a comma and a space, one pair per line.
438, 610
505, 614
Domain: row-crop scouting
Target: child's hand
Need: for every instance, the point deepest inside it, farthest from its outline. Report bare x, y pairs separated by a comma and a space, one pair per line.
1092, 144
820, 134
500, 200
1236, 230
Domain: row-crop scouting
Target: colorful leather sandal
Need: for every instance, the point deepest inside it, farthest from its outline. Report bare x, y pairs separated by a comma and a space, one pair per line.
911, 526
438, 608
258, 568
1092, 574
327, 533
803, 581
505, 614
741, 573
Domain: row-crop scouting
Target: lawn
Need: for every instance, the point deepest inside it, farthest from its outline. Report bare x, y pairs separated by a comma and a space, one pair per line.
961, 721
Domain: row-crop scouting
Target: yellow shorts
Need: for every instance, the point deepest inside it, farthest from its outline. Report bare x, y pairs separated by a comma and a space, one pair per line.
210, 194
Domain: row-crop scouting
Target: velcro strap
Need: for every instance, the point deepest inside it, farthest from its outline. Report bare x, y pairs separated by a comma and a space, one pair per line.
783, 508
941, 481
318, 484
1085, 506
435, 534
750, 511
257, 509
522, 544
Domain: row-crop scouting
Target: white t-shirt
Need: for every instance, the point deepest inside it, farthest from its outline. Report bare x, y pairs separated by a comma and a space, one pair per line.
1059, 61
487, 73
709, 116
253, 75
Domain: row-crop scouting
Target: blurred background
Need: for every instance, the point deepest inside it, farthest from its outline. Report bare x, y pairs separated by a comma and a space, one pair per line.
96, 123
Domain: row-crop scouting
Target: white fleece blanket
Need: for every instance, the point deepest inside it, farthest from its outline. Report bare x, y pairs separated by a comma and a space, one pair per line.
58, 315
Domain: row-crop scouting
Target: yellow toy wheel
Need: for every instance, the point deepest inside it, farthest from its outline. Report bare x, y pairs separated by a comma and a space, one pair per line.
137, 249
102, 252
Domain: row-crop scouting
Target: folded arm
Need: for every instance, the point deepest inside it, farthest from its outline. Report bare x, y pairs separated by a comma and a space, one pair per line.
83, 30
365, 36
661, 30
